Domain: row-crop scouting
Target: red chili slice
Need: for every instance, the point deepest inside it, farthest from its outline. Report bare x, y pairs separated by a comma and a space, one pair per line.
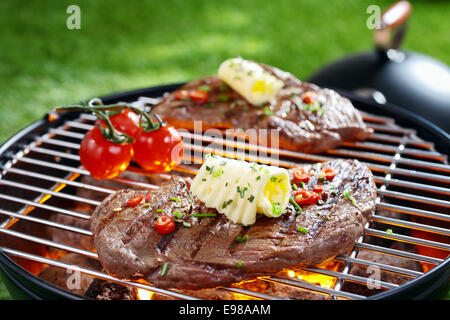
328, 173
164, 224
318, 188
308, 97
199, 96
182, 95
133, 202
301, 175
303, 197
148, 197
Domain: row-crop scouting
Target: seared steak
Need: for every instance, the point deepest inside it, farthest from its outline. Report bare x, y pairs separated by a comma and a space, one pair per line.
301, 127
207, 254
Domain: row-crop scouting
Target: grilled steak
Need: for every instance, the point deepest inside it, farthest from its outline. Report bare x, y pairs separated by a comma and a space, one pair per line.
207, 254
304, 128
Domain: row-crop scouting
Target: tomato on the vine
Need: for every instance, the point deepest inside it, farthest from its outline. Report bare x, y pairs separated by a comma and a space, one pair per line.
158, 150
102, 158
126, 121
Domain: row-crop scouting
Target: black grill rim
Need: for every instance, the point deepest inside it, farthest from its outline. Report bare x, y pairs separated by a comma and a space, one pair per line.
33, 287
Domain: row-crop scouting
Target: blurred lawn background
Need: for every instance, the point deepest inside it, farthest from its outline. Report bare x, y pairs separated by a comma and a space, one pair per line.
130, 44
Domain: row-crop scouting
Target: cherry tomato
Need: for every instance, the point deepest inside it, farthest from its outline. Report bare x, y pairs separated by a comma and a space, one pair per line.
102, 158
134, 202
303, 197
199, 96
159, 150
308, 97
164, 224
301, 175
126, 121
318, 188
328, 174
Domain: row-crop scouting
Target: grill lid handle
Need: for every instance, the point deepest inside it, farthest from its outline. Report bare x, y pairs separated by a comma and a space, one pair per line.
392, 25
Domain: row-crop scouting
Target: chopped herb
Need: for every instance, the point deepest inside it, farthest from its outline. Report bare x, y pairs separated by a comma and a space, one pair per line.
223, 97
208, 168
204, 88
209, 105
327, 217
302, 230
146, 205
226, 203
267, 111
250, 72
251, 198
178, 214
164, 269
159, 210
294, 186
239, 264
273, 179
175, 199
217, 173
258, 177
242, 239
203, 179
346, 194
186, 224
303, 185
389, 231
276, 209
241, 191
226, 184
298, 209
223, 87
266, 171
203, 215
320, 202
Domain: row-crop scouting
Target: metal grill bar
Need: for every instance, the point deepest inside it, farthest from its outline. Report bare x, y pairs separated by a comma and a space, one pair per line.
375, 150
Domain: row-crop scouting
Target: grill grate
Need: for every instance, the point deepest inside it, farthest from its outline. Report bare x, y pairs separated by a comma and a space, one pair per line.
44, 177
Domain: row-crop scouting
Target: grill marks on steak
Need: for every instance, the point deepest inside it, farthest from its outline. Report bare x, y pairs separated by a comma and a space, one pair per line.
299, 129
207, 254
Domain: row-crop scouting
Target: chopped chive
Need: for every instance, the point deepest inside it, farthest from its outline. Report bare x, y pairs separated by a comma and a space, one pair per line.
239, 264
223, 97
267, 111
217, 173
175, 199
294, 186
186, 224
303, 185
178, 214
226, 203
302, 230
164, 269
204, 179
203, 215
258, 177
389, 231
242, 239
273, 179
251, 198
298, 209
320, 202
159, 210
276, 209
204, 88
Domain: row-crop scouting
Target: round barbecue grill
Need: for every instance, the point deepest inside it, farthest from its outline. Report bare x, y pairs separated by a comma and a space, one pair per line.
44, 189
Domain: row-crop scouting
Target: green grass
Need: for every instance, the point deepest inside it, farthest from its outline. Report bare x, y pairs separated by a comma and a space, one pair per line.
130, 44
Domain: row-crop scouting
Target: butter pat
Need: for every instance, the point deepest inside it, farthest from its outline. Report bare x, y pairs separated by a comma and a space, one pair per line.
240, 189
250, 80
